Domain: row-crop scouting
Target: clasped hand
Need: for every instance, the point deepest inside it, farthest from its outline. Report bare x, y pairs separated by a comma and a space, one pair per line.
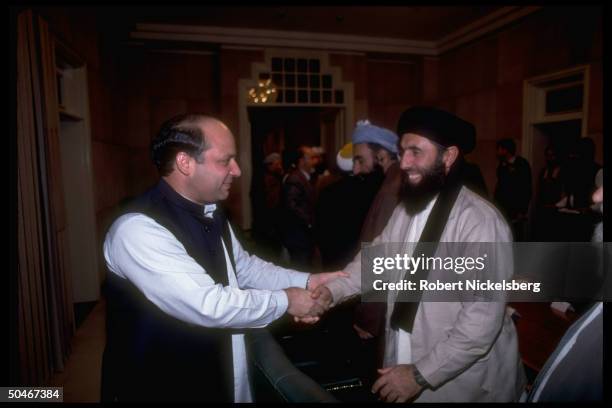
307, 305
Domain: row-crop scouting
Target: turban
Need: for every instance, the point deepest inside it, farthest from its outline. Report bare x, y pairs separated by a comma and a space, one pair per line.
344, 159
365, 132
439, 126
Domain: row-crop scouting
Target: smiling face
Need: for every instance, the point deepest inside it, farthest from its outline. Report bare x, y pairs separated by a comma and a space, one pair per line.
418, 156
216, 168
424, 167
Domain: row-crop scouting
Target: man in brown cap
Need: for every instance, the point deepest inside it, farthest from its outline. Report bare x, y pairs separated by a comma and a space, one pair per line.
440, 351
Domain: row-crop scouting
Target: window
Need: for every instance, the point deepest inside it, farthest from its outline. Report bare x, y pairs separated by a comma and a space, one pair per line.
299, 80
568, 99
564, 95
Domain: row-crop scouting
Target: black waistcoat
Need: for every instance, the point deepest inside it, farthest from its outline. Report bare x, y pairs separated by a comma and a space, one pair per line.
150, 355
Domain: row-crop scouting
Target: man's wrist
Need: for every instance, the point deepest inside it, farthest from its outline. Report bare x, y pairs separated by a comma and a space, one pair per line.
418, 377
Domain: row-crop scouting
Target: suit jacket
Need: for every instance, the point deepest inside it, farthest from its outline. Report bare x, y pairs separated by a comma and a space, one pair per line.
465, 351
298, 210
513, 189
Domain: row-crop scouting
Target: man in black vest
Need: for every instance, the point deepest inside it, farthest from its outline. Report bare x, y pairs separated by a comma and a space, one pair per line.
181, 289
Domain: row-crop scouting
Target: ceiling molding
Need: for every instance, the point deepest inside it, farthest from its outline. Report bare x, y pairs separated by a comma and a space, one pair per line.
483, 26
185, 52
246, 37
241, 48
391, 61
284, 39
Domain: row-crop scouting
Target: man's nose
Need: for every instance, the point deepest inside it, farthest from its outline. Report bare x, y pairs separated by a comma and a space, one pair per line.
406, 161
235, 169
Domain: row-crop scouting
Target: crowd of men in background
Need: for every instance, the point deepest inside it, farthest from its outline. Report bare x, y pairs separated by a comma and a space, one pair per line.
562, 208
309, 214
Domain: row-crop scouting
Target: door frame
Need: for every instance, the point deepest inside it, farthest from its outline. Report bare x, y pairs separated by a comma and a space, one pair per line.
534, 99
345, 121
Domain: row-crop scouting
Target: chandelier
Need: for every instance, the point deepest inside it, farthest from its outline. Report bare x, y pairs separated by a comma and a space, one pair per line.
265, 92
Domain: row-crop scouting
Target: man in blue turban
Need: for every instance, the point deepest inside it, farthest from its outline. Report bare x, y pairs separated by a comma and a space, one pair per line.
374, 148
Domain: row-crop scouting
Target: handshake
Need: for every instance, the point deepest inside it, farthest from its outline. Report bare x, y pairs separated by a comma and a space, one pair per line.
307, 305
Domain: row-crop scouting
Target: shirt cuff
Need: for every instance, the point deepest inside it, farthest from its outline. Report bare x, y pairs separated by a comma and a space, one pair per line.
282, 302
298, 279
337, 291
430, 372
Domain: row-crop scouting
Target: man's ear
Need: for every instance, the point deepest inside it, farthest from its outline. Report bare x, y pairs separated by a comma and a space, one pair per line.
183, 163
450, 156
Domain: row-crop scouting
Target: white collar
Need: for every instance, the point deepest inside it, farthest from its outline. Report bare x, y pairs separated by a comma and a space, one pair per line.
209, 209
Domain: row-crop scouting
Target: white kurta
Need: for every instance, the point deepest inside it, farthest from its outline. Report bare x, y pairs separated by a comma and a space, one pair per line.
149, 255
415, 229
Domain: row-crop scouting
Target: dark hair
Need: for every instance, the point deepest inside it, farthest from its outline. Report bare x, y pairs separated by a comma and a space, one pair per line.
299, 153
507, 144
288, 159
182, 133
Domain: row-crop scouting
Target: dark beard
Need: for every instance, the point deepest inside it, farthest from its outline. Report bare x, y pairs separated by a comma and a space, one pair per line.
376, 173
416, 198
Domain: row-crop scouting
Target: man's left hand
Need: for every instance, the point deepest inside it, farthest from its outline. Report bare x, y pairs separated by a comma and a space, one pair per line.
396, 384
318, 279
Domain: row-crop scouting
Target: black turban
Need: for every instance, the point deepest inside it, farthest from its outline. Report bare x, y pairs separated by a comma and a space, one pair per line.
439, 126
